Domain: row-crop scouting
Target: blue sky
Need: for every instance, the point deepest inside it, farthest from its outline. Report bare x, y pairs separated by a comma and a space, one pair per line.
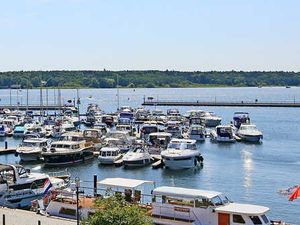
150, 34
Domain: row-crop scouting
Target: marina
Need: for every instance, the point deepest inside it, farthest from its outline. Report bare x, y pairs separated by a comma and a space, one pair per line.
253, 185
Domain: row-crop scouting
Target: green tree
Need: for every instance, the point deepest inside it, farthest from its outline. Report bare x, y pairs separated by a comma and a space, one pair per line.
116, 211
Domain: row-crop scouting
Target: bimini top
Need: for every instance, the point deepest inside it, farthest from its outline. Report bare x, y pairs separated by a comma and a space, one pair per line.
124, 182
247, 209
185, 192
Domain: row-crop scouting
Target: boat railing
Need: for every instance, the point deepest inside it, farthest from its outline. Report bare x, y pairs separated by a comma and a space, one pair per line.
191, 217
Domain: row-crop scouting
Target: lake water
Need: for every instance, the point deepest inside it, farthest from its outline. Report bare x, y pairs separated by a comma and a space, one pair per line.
248, 173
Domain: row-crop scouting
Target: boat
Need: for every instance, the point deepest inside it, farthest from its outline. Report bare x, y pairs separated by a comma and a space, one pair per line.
240, 118
18, 186
249, 133
31, 149
158, 142
70, 148
109, 155
19, 131
209, 119
176, 205
196, 132
174, 128
64, 204
137, 157
181, 154
223, 133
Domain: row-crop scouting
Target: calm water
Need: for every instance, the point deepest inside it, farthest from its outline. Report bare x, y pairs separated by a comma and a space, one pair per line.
249, 173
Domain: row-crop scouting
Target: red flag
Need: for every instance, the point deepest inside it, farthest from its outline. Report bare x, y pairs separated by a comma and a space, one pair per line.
295, 194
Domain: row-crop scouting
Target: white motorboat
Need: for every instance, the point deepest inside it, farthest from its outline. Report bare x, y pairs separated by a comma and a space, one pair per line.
18, 186
196, 132
223, 133
109, 155
31, 149
181, 154
158, 142
174, 204
209, 119
174, 128
136, 158
249, 133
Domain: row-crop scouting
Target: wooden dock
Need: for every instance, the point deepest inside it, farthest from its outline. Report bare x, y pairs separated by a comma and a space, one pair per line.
5, 151
227, 104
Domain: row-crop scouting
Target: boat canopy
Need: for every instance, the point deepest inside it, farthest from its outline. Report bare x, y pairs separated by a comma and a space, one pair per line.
247, 209
185, 192
124, 182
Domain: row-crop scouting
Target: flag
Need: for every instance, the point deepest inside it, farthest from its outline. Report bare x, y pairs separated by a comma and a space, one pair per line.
295, 194
47, 186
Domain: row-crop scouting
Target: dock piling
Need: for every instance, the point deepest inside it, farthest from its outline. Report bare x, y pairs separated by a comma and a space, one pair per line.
6, 145
3, 219
95, 185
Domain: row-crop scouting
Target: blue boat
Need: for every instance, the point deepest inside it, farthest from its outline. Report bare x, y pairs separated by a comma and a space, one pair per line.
19, 131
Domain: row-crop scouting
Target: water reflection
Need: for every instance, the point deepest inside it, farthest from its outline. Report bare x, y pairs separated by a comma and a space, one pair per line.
248, 167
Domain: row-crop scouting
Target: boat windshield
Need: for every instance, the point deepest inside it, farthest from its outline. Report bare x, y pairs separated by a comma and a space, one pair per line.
248, 128
30, 144
220, 200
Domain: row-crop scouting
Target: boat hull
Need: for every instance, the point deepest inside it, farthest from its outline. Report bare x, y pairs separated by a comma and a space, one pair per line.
136, 163
177, 164
26, 157
66, 159
250, 138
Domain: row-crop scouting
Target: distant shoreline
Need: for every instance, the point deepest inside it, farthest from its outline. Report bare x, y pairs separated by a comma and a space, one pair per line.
147, 79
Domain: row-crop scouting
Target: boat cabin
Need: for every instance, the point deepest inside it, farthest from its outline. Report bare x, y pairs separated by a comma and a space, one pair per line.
204, 207
138, 191
182, 144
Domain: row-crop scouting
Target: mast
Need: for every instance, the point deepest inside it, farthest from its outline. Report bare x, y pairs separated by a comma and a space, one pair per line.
118, 93
78, 103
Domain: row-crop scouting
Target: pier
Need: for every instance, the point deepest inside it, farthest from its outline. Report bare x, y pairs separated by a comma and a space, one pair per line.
219, 103
33, 107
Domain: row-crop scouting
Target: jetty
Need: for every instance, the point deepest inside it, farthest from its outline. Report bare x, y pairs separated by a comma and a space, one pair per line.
222, 103
34, 107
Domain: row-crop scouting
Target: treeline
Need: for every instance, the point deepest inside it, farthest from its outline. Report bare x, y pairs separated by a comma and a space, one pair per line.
146, 79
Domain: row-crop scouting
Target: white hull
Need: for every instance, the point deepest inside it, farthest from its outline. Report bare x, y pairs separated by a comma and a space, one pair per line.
107, 160
250, 138
136, 163
180, 164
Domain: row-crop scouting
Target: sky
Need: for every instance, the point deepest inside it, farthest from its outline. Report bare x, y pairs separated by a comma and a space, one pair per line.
186, 35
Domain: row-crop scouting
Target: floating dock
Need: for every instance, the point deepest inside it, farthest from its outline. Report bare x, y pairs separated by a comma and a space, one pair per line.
228, 104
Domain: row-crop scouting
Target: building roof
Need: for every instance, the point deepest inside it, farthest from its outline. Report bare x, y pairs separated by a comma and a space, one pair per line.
185, 192
124, 182
247, 209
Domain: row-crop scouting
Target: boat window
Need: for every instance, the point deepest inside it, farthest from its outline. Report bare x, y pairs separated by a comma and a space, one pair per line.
182, 202
224, 199
103, 154
108, 153
217, 201
255, 220
265, 219
201, 203
237, 219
